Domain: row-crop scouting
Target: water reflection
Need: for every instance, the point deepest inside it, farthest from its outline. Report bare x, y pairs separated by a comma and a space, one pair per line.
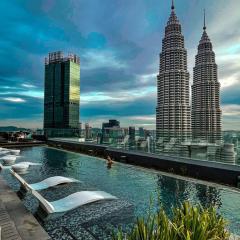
208, 196
58, 161
172, 192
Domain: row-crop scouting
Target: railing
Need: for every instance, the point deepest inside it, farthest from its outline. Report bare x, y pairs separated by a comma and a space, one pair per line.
223, 153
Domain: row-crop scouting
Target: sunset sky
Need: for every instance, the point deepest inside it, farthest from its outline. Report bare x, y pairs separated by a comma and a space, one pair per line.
119, 42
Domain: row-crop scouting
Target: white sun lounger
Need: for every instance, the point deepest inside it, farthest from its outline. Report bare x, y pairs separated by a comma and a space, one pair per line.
9, 151
20, 165
51, 182
12, 157
29, 163
68, 203
46, 183
72, 201
9, 159
4, 152
16, 151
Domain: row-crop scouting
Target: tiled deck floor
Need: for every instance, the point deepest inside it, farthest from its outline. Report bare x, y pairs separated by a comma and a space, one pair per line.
8, 229
16, 222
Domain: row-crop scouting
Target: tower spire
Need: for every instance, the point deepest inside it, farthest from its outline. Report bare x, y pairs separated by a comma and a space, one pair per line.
172, 5
204, 21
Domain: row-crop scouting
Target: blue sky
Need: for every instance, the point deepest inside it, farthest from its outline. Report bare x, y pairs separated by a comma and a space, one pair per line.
119, 42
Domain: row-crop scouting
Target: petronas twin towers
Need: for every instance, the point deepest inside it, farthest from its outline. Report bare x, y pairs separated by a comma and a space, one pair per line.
174, 117
206, 112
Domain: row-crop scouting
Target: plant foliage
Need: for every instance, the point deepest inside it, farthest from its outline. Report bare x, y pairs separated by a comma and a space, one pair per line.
188, 223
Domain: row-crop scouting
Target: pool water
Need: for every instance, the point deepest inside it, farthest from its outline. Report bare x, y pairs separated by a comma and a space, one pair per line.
133, 186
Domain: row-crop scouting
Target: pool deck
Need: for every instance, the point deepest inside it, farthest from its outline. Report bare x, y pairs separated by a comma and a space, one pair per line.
16, 222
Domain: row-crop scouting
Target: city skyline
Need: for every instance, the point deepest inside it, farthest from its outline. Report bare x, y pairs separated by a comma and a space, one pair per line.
119, 68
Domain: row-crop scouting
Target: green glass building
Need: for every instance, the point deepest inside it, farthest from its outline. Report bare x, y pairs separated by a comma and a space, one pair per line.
61, 95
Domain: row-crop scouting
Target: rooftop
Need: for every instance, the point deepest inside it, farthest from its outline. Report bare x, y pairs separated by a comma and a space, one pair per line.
55, 57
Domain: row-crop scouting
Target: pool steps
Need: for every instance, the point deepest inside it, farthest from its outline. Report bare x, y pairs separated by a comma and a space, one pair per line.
65, 204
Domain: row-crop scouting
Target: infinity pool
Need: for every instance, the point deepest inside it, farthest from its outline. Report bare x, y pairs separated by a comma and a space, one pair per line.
133, 186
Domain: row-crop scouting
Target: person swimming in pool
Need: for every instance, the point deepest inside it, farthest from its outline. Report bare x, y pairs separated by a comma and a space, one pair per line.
109, 162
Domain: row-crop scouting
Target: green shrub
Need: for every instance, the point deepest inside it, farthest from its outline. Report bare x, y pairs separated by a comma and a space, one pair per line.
188, 223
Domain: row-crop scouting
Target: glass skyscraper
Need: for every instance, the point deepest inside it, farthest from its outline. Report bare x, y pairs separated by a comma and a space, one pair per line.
61, 95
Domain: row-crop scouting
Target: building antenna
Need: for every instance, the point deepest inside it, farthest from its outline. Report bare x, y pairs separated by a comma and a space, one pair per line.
172, 5
204, 20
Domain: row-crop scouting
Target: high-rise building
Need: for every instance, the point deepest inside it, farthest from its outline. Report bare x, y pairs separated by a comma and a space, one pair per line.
111, 131
206, 112
111, 123
173, 119
141, 132
131, 133
61, 95
88, 132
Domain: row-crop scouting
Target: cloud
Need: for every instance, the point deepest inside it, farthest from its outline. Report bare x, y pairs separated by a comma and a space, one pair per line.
19, 107
28, 85
119, 44
14, 99
119, 96
95, 59
231, 110
151, 118
21, 90
137, 106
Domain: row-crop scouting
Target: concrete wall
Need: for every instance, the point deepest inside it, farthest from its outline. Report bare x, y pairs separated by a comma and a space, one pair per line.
204, 170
